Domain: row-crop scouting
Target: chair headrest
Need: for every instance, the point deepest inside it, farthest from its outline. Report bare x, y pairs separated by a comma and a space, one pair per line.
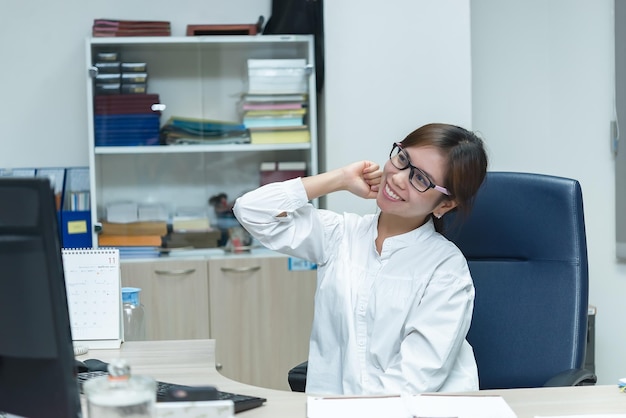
521, 216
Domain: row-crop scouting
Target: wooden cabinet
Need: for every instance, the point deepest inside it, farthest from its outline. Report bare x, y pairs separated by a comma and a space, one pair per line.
175, 296
258, 310
261, 317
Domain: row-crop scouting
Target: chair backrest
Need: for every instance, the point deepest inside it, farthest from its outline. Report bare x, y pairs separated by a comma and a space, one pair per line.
526, 248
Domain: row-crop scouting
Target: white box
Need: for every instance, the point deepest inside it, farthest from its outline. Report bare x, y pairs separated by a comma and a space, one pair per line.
277, 76
195, 409
122, 212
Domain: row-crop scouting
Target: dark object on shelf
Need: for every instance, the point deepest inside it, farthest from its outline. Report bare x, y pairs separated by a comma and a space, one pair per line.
298, 17
233, 29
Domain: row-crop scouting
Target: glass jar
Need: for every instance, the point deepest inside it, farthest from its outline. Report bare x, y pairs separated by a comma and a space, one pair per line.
119, 394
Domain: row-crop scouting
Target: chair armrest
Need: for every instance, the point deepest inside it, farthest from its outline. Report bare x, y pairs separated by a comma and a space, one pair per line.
572, 377
297, 377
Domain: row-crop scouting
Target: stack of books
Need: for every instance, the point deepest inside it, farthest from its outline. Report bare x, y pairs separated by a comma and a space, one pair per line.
126, 119
274, 110
132, 234
111, 27
276, 118
180, 130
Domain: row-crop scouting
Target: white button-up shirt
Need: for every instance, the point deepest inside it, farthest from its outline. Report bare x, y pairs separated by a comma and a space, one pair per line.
393, 322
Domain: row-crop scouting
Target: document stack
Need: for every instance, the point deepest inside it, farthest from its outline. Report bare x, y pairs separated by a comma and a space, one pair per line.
275, 108
181, 130
109, 27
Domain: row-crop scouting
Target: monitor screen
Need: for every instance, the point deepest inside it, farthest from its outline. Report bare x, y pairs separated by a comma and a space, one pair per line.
37, 376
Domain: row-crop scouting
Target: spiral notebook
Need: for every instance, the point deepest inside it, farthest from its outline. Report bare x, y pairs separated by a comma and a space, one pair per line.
94, 301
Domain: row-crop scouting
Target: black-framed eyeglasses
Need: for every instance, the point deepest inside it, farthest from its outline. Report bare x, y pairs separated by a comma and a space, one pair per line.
418, 179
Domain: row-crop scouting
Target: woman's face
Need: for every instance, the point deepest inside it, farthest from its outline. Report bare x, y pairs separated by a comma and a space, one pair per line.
397, 196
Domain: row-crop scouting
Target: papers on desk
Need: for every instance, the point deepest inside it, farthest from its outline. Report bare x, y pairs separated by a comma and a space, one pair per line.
584, 416
431, 406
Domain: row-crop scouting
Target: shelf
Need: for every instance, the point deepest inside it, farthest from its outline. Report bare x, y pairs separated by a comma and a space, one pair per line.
198, 77
209, 39
181, 149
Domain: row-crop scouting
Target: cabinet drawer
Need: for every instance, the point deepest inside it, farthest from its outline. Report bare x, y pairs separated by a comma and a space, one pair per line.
261, 317
175, 296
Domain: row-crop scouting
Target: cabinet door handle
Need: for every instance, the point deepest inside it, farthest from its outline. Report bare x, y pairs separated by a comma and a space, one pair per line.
240, 269
175, 272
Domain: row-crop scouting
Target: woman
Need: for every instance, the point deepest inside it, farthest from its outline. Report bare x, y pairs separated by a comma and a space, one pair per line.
394, 298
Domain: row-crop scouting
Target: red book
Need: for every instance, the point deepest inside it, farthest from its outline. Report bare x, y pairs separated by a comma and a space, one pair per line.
111, 24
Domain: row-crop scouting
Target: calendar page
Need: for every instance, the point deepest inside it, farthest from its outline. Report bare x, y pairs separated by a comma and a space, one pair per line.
92, 281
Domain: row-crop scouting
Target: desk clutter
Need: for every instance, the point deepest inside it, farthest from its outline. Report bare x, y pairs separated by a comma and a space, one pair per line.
173, 400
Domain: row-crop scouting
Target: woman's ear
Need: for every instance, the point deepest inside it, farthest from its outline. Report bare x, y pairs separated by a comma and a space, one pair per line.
445, 206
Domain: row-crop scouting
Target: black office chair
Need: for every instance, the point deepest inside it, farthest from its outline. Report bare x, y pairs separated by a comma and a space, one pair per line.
526, 248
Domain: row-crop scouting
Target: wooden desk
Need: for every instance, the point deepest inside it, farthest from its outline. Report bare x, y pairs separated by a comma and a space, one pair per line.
192, 362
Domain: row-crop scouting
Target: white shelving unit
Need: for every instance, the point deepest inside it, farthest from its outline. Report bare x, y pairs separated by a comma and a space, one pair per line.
195, 77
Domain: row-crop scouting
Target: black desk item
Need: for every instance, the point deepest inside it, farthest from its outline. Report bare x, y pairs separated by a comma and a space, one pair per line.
166, 392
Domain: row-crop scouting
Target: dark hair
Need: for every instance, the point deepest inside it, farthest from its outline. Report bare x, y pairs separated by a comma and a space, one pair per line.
466, 157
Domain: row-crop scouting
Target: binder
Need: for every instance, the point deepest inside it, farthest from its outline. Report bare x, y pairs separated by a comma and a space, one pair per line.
94, 296
75, 217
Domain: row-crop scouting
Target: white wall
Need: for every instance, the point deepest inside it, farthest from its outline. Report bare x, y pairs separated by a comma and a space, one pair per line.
43, 100
543, 83
391, 68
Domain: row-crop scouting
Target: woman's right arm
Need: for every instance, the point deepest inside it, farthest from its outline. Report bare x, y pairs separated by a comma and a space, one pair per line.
280, 216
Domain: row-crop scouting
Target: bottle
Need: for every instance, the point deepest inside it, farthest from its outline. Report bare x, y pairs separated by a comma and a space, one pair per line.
120, 395
134, 316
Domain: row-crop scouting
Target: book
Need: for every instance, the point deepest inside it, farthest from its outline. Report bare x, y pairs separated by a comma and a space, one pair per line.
131, 32
276, 113
107, 240
120, 104
127, 24
276, 136
134, 228
272, 106
273, 121
112, 27
274, 98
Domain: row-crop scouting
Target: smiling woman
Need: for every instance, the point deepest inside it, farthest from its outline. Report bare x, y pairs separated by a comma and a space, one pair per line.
394, 297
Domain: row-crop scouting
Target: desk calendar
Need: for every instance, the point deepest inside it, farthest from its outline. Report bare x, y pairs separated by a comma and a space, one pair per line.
93, 285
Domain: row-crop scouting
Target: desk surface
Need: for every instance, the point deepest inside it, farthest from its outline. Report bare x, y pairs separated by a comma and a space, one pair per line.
192, 362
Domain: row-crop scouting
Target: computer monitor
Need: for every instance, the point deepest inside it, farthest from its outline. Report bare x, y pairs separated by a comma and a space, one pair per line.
37, 376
